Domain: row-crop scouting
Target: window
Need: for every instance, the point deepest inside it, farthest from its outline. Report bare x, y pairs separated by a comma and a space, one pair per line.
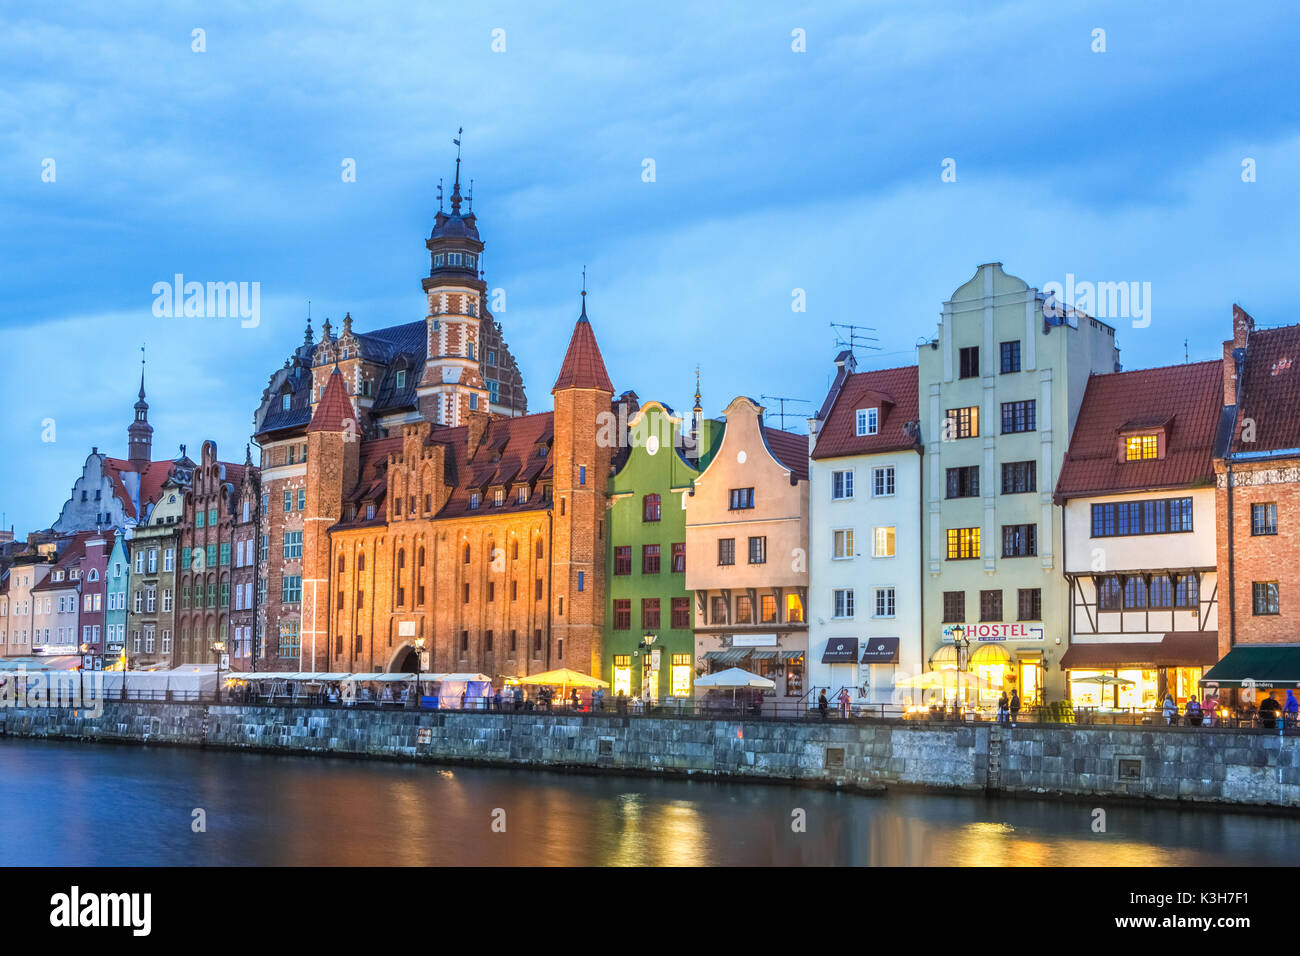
291, 589
681, 610
264, 543
1161, 593
1019, 477
1186, 591
744, 609
719, 609
963, 543
649, 559
679, 557
758, 550
741, 498
962, 423
868, 421
1154, 516
841, 485
963, 482
650, 613
650, 508
623, 559
622, 614
842, 544
1110, 594
969, 362
991, 605
139, 562
288, 504
537, 589
1135, 593
200, 518
225, 554
210, 555
1141, 447
582, 474
302, 499
212, 514
1263, 519
401, 378
1010, 357
1265, 597
1029, 603
842, 602
767, 608
1019, 540
793, 609
681, 675
954, 606
153, 561
475, 498
726, 551
1019, 417
884, 602
882, 481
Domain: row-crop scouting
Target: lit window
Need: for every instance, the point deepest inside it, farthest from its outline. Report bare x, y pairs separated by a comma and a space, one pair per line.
1140, 447
883, 546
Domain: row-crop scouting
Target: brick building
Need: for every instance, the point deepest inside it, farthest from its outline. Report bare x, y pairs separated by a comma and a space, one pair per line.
1257, 471
486, 538
441, 369
210, 516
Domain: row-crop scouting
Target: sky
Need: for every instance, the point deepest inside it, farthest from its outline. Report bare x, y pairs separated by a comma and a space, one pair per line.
793, 148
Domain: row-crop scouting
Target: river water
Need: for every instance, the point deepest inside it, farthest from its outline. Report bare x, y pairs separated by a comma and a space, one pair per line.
67, 804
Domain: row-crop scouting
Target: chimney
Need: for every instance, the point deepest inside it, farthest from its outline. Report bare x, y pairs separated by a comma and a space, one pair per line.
476, 424
1242, 326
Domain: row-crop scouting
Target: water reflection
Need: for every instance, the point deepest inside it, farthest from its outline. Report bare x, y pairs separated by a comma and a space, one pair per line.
70, 804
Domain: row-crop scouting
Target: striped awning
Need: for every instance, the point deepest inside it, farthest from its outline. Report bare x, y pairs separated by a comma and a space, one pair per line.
730, 657
765, 655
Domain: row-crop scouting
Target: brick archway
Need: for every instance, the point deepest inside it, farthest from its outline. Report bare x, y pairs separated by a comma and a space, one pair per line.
403, 660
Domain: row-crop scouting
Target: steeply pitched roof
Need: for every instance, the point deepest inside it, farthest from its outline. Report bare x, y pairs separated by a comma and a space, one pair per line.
151, 481
894, 392
789, 449
1270, 391
71, 558
583, 366
334, 411
1183, 399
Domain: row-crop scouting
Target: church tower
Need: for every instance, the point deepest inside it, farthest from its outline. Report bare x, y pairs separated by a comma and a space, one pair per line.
582, 394
452, 384
139, 434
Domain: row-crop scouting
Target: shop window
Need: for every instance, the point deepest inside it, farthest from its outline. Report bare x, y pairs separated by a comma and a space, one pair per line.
794, 676
681, 675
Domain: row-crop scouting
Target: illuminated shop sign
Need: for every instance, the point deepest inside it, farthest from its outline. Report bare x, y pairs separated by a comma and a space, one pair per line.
995, 631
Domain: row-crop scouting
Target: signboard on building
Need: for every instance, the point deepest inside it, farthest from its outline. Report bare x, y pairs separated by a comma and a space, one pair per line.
406, 629
996, 631
754, 640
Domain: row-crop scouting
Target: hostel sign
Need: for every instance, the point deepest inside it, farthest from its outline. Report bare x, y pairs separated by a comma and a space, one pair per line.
995, 631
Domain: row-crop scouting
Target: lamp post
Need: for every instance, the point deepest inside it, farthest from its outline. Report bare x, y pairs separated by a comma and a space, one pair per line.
962, 644
419, 662
647, 653
85, 648
219, 648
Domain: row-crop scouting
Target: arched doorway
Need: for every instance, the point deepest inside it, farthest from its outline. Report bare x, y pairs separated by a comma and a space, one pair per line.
404, 661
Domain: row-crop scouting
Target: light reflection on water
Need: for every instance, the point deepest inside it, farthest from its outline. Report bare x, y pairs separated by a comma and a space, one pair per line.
85, 804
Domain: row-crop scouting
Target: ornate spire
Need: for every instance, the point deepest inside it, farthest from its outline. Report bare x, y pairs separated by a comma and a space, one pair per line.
347, 323
583, 365
583, 317
698, 409
142, 373
455, 191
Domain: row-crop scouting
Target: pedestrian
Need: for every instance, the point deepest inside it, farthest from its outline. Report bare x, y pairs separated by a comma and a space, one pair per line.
496, 699
1193, 712
1291, 709
574, 702
519, 697
1004, 704
598, 700
844, 702
1269, 709
821, 703
1014, 706
1170, 710
1209, 709
621, 701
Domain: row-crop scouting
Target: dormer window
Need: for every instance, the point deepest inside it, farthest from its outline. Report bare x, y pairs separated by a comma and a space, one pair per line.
474, 500
284, 401
370, 512
522, 497
1141, 447
473, 401
499, 497
868, 421
401, 378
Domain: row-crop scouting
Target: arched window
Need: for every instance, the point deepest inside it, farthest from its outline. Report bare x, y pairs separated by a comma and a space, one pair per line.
342, 564
467, 554
650, 508
361, 562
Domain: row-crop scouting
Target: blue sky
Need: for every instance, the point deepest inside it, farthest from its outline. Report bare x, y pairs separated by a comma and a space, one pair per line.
775, 170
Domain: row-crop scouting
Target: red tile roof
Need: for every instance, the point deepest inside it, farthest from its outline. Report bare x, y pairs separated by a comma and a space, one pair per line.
1270, 391
790, 450
334, 410
1186, 399
583, 366
894, 392
151, 481
71, 558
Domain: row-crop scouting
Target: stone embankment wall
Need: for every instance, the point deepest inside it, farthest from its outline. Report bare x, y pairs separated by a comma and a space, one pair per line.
1216, 766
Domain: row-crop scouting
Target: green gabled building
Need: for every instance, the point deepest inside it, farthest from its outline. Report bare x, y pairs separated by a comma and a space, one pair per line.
649, 625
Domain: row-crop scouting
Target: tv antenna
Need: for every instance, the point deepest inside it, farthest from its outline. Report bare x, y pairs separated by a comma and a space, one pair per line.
781, 400
854, 337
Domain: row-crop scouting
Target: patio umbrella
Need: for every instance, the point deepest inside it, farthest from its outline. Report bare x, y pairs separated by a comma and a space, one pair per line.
565, 678
1104, 680
735, 678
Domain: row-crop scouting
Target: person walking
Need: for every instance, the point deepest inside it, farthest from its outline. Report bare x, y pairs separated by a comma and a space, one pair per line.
1014, 706
1209, 709
844, 702
1290, 709
1004, 704
822, 703
1170, 710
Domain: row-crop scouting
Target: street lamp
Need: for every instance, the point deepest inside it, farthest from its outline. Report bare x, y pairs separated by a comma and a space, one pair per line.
219, 648
962, 644
419, 659
85, 648
647, 653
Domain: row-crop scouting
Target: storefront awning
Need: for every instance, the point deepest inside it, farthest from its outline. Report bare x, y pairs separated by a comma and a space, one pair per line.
841, 650
944, 657
1268, 665
730, 657
1177, 649
880, 650
765, 655
990, 654
791, 655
